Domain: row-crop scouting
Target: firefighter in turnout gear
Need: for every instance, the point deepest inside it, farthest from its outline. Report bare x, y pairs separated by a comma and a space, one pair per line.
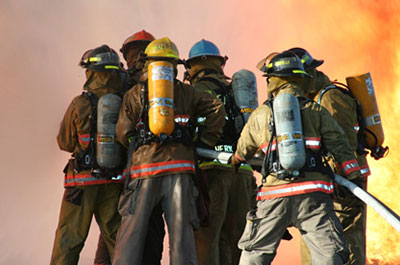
92, 183
343, 107
162, 164
292, 194
131, 49
230, 194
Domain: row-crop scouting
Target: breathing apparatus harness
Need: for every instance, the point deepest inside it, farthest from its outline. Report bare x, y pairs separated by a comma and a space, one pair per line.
315, 161
379, 152
86, 159
230, 136
143, 134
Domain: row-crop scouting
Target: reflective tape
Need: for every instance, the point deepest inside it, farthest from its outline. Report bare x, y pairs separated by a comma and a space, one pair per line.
111, 67
162, 167
265, 193
313, 142
182, 119
365, 172
87, 180
84, 138
350, 166
356, 127
264, 146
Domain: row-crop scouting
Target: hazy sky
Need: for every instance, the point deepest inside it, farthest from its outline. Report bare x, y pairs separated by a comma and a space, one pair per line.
43, 40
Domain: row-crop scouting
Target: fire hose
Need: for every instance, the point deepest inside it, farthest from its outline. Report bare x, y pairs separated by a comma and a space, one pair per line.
388, 214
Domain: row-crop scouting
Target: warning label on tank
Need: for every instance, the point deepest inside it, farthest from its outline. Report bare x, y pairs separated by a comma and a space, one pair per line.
162, 72
370, 86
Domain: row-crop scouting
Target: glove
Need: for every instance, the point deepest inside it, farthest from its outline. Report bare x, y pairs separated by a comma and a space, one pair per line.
235, 163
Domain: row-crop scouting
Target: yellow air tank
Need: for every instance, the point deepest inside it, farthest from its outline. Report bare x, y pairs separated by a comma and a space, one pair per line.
362, 88
161, 98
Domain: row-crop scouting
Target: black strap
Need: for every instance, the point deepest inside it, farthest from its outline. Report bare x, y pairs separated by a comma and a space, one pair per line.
131, 149
230, 135
86, 159
265, 169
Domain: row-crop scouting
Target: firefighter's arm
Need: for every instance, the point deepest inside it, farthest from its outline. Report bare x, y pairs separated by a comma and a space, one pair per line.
126, 124
254, 134
208, 106
336, 142
67, 134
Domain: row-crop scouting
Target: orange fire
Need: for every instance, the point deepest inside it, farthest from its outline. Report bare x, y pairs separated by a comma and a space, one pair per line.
383, 240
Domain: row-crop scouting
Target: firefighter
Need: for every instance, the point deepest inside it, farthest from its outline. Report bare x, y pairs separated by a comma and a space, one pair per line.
297, 186
155, 121
131, 49
230, 194
91, 186
343, 107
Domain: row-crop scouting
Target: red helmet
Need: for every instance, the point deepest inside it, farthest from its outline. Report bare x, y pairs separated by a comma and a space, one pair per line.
138, 37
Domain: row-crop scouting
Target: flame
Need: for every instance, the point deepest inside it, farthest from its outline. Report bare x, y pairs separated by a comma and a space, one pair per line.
383, 240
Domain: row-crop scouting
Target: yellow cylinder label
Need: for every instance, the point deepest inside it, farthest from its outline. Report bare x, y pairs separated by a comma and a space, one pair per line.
161, 97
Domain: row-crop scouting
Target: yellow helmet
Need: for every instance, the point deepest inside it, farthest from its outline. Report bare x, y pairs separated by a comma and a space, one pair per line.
163, 47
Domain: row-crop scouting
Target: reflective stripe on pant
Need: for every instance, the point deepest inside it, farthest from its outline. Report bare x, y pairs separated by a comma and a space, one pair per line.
175, 193
230, 201
311, 213
74, 222
352, 215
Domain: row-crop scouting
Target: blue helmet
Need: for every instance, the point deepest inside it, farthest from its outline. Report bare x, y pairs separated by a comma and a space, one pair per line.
204, 48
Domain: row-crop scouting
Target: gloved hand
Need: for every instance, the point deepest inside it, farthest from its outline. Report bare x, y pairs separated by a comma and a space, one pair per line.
235, 163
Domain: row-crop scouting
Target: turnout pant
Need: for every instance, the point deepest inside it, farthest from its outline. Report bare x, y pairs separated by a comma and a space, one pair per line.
352, 215
175, 194
154, 242
76, 216
231, 197
311, 213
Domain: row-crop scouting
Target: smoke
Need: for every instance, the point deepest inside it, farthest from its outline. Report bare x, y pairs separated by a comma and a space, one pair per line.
43, 40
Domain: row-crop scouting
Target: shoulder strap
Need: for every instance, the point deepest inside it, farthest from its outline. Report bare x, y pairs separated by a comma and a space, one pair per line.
265, 169
87, 158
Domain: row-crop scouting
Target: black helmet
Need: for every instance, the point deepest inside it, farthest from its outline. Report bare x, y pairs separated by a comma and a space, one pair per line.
306, 58
285, 64
100, 59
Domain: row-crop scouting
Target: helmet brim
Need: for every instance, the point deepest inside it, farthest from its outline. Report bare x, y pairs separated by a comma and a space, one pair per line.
313, 65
